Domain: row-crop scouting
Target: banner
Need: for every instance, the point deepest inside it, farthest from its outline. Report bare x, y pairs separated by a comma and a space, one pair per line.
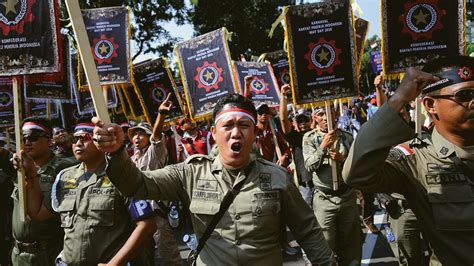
280, 66
7, 118
206, 70
109, 35
322, 51
263, 87
376, 59
40, 110
133, 100
122, 104
51, 86
154, 83
28, 38
417, 31
85, 104
361, 28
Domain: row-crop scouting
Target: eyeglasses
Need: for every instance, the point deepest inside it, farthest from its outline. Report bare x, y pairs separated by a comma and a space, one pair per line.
31, 138
83, 138
302, 119
462, 96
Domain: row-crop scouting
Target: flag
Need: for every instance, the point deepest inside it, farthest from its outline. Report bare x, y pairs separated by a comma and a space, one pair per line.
206, 70
7, 118
29, 32
154, 83
263, 86
417, 31
322, 54
109, 36
51, 86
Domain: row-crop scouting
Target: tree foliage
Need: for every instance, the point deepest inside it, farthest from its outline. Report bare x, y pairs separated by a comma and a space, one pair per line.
249, 21
148, 19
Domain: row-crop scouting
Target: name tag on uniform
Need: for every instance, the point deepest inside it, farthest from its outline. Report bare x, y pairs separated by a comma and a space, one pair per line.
102, 191
444, 174
205, 195
208, 185
271, 195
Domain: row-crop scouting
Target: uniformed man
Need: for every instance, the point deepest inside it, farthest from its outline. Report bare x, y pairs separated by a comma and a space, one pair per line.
151, 154
250, 229
36, 243
436, 176
97, 220
336, 210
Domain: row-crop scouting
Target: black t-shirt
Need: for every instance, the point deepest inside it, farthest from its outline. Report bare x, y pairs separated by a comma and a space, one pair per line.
295, 140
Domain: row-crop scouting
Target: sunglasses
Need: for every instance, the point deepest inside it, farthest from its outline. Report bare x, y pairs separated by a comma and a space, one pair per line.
302, 119
462, 96
83, 138
32, 138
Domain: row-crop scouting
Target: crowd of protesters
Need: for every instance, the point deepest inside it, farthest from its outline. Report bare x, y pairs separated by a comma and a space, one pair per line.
101, 194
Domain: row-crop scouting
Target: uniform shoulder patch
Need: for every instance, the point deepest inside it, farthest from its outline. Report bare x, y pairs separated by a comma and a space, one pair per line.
400, 151
263, 161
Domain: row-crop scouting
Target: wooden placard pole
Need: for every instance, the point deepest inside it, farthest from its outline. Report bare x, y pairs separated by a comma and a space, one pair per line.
177, 140
418, 117
87, 59
19, 146
335, 179
48, 109
275, 140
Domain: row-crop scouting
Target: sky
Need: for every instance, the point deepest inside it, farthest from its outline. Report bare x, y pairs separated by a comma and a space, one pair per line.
370, 12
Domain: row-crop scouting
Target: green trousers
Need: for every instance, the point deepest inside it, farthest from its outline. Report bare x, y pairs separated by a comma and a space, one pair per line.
339, 219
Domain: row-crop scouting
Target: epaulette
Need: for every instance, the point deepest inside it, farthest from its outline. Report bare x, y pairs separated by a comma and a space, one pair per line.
400, 151
271, 164
197, 157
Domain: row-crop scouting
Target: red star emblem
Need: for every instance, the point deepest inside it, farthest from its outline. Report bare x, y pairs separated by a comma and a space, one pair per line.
421, 18
259, 86
465, 73
104, 49
208, 76
323, 56
22, 14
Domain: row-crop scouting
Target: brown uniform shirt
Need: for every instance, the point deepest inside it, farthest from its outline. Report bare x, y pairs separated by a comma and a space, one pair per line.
249, 231
436, 177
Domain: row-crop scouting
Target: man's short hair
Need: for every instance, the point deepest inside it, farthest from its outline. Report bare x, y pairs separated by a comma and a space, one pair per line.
235, 100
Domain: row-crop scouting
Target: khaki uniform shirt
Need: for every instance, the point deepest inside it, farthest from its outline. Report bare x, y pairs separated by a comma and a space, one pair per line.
152, 157
316, 160
48, 230
433, 176
94, 216
249, 231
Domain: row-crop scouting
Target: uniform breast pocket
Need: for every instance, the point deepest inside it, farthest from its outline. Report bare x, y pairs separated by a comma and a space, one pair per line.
203, 211
65, 210
266, 209
452, 206
101, 211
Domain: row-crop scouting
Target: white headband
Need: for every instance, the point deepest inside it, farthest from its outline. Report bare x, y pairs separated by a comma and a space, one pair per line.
234, 112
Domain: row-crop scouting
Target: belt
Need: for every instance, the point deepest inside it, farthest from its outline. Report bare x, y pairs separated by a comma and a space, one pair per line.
342, 189
30, 247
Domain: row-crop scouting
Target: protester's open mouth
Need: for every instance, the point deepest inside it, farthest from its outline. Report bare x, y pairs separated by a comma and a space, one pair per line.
236, 147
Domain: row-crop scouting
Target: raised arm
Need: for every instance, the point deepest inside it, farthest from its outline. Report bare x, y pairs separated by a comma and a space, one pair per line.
285, 122
367, 166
